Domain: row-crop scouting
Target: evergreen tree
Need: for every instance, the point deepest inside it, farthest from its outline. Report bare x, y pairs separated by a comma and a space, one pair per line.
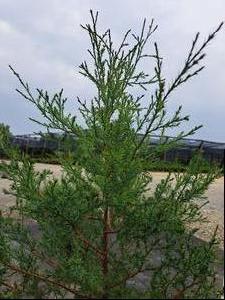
100, 228
6, 135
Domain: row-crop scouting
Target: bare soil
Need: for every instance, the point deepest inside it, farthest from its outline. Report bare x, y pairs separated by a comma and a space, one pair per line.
213, 211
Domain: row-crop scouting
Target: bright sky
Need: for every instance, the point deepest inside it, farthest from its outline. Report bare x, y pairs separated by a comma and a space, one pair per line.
44, 42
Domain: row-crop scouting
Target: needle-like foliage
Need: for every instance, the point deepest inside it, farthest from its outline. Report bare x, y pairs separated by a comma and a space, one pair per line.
103, 230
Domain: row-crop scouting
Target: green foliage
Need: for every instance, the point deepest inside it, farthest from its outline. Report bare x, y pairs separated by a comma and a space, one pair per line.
93, 232
5, 136
5, 131
177, 166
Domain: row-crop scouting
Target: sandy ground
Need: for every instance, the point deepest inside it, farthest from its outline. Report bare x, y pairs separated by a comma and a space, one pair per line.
214, 211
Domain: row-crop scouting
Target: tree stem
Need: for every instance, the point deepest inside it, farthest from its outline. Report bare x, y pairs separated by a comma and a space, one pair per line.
105, 251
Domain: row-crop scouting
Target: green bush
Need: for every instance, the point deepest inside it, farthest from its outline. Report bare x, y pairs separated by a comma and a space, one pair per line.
99, 231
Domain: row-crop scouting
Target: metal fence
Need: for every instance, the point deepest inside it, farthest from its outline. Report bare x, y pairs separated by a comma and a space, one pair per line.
212, 151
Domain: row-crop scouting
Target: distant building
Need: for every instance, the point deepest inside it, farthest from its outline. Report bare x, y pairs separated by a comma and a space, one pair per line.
212, 151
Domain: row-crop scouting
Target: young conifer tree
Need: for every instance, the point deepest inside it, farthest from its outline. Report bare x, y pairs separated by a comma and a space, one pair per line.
102, 230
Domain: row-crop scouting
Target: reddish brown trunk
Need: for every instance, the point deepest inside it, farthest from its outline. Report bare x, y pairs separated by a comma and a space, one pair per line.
105, 251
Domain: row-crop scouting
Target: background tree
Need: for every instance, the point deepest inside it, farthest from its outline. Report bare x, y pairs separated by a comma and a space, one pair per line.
5, 132
96, 230
5, 135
